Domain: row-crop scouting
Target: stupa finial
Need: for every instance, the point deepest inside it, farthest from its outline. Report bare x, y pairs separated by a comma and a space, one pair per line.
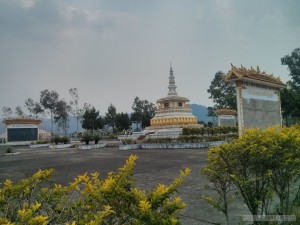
172, 87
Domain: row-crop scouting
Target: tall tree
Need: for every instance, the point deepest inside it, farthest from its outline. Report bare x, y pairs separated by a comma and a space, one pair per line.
74, 105
19, 111
49, 100
38, 109
143, 112
290, 97
293, 63
91, 119
29, 104
34, 107
110, 117
61, 115
222, 93
122, 121
6, 111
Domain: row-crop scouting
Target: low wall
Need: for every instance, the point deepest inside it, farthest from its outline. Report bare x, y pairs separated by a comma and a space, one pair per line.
129, 147
89, 147
39, 146
171, 145
60, 146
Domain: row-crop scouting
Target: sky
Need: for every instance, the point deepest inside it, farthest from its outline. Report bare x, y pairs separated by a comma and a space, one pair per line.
115, 50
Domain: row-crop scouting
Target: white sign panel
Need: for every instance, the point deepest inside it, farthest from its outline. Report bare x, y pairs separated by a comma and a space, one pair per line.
22, 126
260, 93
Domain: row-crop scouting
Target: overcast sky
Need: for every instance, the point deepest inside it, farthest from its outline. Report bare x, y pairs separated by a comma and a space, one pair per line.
114, 50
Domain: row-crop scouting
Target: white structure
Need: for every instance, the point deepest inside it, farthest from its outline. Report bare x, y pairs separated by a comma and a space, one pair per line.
173, 111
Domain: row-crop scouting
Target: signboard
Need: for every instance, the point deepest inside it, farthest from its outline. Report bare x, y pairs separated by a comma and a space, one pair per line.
258, 107
226, 120
22, 134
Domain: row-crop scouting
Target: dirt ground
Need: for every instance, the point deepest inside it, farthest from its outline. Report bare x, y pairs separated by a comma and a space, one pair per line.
153, 167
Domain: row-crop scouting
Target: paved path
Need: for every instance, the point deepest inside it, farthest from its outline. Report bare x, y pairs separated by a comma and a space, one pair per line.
153, 167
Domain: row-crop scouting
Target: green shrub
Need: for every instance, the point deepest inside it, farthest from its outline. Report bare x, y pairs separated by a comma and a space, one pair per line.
90, 199
112, 136
96, 136
209, 130
87, 136
8, 149
262, 166
40, 142
129, 141
65, 139
55, 139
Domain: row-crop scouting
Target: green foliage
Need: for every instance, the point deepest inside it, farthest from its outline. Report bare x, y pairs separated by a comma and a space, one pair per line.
143, 112
159, 140
61, 115
262, 166
122, 121
129, 141
90, 200
293, 63
91, 119
209, 130
222, 93
65, 139
290, 96
42, 142
8, 149
87, 136
111, 116
97, 136
48, 100
56, 139
112, 136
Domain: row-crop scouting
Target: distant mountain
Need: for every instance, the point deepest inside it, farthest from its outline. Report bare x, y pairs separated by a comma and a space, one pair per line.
200, 112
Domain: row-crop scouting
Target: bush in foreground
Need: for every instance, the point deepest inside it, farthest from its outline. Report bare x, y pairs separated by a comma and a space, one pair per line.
263, 167
90, 200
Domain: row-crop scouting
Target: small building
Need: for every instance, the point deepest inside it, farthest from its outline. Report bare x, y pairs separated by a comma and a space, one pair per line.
22, 129
227, 117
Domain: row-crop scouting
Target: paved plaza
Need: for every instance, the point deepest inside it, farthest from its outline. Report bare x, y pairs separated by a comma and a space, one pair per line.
152, 167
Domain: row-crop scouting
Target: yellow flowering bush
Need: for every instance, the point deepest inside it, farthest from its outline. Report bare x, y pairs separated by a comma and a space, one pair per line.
261, 166
89, 199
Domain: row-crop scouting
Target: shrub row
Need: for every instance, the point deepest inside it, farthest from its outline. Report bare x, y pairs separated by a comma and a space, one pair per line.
195, 138
209, 130
184, 139
129, 141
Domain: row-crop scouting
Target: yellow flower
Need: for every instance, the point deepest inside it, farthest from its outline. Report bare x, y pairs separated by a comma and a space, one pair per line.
39, 220
8, 183
108, 183
144, 205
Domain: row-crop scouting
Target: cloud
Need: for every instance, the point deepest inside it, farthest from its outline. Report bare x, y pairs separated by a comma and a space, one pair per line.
35, 19
27, 4
223, 9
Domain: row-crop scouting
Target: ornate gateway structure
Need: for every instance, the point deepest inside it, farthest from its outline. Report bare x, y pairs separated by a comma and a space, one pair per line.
258, 98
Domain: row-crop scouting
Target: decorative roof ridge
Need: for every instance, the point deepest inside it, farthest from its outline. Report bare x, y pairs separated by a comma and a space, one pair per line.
255, 74
226, 112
